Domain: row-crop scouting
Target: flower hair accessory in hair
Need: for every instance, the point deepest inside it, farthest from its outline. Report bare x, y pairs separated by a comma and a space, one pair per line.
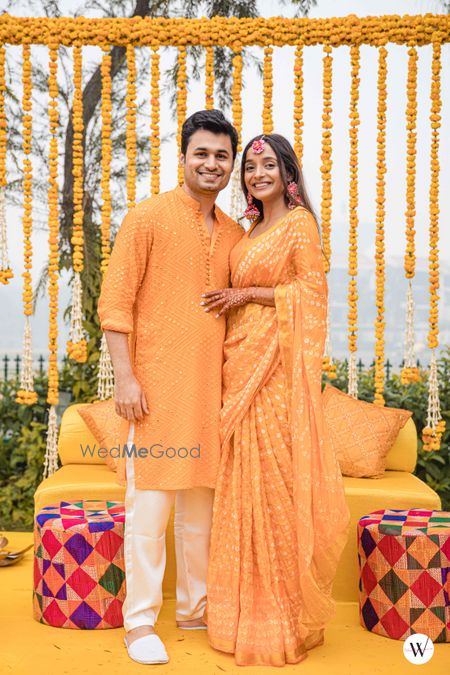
258, 145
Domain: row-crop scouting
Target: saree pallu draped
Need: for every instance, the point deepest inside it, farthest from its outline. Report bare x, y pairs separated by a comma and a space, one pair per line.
280, 519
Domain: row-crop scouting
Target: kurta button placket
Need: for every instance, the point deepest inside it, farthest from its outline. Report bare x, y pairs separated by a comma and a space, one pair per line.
162, 261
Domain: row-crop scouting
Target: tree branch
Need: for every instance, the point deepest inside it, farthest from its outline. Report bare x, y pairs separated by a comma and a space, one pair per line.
91, 97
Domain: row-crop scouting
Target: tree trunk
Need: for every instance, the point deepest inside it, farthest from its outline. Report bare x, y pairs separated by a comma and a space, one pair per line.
91, 97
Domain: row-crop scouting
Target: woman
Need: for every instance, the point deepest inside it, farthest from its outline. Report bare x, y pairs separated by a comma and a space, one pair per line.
280, 517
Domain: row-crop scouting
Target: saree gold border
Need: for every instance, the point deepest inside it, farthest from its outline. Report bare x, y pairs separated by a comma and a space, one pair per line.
223, 31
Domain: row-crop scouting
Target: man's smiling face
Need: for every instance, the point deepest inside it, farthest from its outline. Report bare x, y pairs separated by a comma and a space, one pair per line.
208, 162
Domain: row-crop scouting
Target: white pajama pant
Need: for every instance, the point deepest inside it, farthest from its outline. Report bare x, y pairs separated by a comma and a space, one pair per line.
146, 515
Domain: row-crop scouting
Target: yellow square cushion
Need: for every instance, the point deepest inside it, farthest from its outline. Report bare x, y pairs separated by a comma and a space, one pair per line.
104, 424
403, 454
361, 433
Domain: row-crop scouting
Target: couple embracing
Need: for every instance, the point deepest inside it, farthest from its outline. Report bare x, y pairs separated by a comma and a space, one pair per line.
216, 336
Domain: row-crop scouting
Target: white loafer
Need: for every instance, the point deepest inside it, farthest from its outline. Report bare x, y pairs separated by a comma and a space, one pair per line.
204, 627
147, 649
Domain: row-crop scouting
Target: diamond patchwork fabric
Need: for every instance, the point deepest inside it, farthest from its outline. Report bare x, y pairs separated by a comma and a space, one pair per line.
404, 563
79, 566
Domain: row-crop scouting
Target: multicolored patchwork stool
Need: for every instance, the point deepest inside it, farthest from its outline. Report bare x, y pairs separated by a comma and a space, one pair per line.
404, 563
79, 566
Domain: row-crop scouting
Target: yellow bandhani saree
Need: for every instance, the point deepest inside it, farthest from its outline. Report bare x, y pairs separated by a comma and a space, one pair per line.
280, 517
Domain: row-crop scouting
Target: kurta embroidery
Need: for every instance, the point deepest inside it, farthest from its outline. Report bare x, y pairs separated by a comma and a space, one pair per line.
162, 261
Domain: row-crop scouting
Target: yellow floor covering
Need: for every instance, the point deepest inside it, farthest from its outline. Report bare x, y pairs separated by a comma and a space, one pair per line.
31, 648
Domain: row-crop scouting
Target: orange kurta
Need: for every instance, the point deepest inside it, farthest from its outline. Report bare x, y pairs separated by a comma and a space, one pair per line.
162, 261
280, 518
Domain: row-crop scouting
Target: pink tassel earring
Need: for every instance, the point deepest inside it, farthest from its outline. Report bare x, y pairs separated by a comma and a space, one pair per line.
251, 212
293, 196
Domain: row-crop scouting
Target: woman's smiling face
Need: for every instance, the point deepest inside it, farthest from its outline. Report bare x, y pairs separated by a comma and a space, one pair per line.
262, 175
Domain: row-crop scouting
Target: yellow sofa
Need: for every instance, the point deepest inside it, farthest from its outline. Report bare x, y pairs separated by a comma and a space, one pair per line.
91, 478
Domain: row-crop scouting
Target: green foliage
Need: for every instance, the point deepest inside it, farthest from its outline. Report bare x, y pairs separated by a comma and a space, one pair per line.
432, 467
22, 451
81, 378
23, 428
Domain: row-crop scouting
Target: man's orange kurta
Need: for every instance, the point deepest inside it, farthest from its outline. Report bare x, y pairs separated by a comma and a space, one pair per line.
162, 261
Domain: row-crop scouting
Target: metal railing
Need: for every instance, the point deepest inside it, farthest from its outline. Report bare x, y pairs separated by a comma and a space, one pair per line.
12, 363
11, 366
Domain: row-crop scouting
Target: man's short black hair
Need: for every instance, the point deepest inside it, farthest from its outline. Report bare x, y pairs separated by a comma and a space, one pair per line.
211, 120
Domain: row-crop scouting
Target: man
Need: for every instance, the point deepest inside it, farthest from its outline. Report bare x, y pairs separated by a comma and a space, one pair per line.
167, 354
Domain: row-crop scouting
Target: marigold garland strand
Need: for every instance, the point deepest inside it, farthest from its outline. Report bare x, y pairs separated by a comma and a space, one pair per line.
181, 103
236, 207
435, 427
267, 33
26, 393
77, 232
106, 108
327, 365
155, 141
267, 115
379, 237
105, 388
298, 103
411, 126
209, 78
409, 372
6, 272
236, 96
51, 454
352, 294
433, 340
278, 31
325, 168
77, 344
53, 226
131, 127
27, 182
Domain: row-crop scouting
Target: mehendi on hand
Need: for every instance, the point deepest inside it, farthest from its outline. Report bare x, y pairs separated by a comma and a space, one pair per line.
228, 298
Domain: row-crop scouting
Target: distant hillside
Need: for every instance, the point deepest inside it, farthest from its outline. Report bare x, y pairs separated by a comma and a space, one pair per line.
12, 324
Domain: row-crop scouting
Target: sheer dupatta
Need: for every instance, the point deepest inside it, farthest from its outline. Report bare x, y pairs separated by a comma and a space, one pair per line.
321, 512
277, 468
